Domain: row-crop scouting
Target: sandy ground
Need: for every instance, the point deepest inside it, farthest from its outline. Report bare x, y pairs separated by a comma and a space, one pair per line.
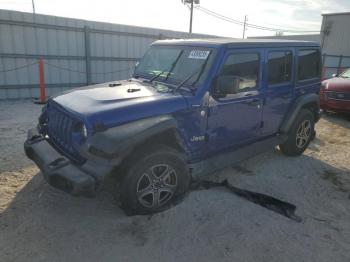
39, 223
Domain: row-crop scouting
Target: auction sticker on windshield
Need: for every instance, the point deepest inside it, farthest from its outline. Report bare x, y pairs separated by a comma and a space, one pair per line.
198, 54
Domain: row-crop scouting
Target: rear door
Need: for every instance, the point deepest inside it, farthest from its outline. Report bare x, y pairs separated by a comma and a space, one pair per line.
308, 70
278, 87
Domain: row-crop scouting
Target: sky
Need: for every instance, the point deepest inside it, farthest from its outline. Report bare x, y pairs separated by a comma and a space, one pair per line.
172, 14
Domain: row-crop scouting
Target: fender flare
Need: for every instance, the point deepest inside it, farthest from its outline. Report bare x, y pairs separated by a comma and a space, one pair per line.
295, 109
119, 141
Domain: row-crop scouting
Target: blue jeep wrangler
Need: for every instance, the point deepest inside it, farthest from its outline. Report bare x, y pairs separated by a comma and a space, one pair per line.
190, 108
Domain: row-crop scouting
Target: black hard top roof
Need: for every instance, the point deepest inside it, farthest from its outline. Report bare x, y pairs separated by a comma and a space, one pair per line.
231, 42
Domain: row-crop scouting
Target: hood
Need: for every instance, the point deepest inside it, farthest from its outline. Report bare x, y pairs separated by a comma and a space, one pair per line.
337, 84
114, 103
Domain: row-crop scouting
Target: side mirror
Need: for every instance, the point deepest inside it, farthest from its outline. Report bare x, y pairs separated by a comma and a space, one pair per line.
225, 85
334, 75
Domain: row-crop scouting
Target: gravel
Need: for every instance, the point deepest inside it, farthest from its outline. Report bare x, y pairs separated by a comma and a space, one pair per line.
40, 223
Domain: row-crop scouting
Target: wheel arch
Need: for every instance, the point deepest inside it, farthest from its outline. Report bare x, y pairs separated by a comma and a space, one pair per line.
168, 137
309, 101
120, 142
314, 107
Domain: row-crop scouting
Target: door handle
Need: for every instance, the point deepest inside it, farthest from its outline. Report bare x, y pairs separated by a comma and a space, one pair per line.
253, 102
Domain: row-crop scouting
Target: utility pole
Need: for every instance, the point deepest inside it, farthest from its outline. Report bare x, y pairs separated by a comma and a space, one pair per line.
191, 17
191, 3
245, 25
33, 6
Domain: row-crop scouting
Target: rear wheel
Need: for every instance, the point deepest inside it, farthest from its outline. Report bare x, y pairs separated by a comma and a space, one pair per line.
154, 179
300, 134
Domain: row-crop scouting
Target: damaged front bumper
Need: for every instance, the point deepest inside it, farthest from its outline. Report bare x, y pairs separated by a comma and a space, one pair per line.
62, 173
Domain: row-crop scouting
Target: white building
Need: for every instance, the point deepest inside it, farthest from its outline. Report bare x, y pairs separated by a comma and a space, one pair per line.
335, 42
335, 34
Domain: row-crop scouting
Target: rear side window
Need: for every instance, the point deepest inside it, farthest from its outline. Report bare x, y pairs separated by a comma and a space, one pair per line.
246, 67
279, 67
309, 65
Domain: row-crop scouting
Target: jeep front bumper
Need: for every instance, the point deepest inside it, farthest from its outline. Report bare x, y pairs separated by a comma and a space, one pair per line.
60, 172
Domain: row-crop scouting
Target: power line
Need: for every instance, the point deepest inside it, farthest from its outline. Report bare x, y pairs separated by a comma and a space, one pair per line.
248, 24
219, 16
237, 22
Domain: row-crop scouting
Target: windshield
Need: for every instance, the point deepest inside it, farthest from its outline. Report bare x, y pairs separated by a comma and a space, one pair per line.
173, 64
346, 74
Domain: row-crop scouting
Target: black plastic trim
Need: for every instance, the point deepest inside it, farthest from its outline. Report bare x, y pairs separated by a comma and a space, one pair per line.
59, 171
297, 106
119, 141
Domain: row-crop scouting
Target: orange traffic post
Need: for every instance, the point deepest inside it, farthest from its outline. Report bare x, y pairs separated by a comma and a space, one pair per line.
42, 81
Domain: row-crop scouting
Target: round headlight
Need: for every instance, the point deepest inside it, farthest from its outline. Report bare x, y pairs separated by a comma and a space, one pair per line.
84, 131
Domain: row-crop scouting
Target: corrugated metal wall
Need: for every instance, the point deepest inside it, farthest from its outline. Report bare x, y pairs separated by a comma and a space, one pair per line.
335, 43
75, 52
335, 39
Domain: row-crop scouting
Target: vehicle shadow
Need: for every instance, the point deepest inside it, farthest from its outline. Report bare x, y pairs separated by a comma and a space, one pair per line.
44, 224
340, 119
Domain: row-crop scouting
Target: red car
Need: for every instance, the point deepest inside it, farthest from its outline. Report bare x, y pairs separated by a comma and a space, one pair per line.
335, 93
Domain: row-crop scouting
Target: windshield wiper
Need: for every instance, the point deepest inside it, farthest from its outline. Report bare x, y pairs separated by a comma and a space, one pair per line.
185, 81
156, 76
169, 70
173, 65
199, 72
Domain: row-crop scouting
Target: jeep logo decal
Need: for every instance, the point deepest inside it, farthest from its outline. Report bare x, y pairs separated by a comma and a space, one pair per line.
197, 138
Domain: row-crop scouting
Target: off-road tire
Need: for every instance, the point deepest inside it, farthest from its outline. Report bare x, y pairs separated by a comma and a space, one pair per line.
291, 147
141, 168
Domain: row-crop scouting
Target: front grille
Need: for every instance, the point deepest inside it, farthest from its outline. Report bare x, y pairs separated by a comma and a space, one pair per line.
60, 128
338, 95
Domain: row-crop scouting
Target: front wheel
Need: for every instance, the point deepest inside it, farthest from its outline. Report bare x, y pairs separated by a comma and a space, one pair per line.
155, 179
300, 134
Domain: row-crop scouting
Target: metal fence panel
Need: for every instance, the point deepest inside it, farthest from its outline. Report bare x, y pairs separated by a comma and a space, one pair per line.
345, 62
333, 64
76, 52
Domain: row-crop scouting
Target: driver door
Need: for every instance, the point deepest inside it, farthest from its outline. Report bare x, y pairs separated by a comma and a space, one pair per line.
235, 119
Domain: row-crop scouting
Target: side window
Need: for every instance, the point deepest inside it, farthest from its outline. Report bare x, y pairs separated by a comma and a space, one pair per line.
244, 66
279, 67
309, 65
